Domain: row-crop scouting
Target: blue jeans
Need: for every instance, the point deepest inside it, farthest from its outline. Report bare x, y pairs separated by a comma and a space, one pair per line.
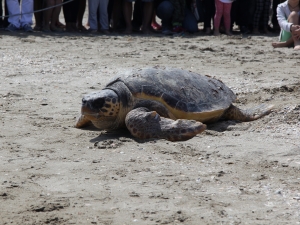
165, 10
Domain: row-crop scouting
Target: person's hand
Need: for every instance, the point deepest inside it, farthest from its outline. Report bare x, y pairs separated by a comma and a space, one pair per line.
294, 27
296, 32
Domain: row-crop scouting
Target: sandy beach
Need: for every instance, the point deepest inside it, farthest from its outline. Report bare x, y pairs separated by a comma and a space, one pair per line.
233, 173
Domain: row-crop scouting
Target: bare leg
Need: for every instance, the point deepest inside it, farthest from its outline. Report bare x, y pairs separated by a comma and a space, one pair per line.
294, 18
55, 15
48, 15
287, 43
127, 15
148, 12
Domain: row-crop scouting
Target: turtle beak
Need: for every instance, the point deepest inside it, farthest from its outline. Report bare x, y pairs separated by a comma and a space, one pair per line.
88, 109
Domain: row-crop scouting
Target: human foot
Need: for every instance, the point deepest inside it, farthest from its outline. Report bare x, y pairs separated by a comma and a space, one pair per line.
297, 47
56, 29
147, 31
207, 31
128, 30
228, 33
60, 25
217, 33
279, 44
81, 28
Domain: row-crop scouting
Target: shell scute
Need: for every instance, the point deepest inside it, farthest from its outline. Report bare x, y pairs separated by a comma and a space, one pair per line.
179, 90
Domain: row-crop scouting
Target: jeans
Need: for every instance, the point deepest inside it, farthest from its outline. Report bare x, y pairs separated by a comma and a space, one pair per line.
103, 14
165, 10
15, 8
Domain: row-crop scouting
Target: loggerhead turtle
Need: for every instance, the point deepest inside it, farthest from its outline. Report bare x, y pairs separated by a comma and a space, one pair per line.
163, 103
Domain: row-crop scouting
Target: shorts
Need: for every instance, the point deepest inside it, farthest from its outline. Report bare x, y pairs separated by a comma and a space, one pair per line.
284, 36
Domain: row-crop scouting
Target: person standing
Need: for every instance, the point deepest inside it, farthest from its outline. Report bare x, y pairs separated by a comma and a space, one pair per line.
209, 15
23, 21
262, 9
70, 11
288, 18
98, 7
147, 15
223, 8
51, 16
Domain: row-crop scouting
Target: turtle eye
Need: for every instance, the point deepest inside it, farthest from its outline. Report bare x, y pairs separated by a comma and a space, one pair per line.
98, 103
84, 101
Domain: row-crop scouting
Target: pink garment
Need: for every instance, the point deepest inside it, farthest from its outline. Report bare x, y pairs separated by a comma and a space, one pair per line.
222, 9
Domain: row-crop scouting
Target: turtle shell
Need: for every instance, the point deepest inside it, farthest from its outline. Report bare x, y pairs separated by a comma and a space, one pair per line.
186, 95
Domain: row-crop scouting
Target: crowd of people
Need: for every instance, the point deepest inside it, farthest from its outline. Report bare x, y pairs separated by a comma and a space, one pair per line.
176, 16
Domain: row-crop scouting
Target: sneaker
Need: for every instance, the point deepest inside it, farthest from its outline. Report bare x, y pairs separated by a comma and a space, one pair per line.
12, 28
27, 28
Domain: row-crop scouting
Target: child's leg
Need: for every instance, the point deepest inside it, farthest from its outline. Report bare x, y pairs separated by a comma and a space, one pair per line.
218, 16
48, 15
55, 15
103, 15
258, 11
226, 13
287, 43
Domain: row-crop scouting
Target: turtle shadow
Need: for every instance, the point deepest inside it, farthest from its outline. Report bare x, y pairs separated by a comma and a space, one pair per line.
222, 126
125, 135
112, 135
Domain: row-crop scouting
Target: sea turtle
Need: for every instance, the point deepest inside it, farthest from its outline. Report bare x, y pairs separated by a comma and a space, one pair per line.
163, 103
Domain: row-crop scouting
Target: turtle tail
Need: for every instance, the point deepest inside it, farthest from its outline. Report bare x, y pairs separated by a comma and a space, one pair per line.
234, 113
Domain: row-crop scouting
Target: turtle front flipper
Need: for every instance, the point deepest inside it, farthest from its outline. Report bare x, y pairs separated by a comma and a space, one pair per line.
234, 113
146, 124
82, 121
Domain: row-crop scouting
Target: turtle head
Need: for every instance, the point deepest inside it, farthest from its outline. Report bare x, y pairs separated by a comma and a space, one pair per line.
101, 108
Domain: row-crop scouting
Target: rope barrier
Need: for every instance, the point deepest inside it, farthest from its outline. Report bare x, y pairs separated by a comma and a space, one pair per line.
40, 10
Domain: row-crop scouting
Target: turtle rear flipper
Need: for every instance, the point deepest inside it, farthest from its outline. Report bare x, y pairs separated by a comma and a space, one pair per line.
234, 113
145, 124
